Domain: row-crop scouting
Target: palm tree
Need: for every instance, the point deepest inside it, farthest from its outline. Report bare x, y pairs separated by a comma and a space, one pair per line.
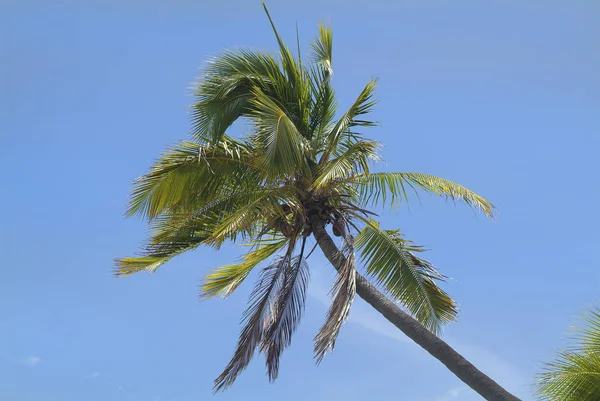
299, 170
575, 374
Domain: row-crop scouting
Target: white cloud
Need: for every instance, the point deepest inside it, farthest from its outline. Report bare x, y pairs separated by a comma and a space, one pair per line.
31, 361
453, 394
94, 375
117, 386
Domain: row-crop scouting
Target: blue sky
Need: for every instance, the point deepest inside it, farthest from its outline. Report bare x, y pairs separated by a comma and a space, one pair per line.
501, 96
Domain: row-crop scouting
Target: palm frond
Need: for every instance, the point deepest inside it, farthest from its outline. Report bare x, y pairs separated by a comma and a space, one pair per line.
323, 108
287, 59
390, 260
589, 334
344, 290
246, 217
207, 218
256, 318
353, 158
224, 280
222, 219
191, 173
361, 106
296, 82
287, 312
225, 88
575, 374
323, 50
280, 145
155, 256
375, 188
571, 377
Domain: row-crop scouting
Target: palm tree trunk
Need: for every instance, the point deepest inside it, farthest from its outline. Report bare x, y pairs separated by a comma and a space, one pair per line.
456, 363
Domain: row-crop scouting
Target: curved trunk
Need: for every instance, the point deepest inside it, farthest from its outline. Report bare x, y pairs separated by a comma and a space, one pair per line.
456, 363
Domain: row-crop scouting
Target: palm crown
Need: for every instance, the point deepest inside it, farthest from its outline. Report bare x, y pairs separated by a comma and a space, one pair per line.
302, 165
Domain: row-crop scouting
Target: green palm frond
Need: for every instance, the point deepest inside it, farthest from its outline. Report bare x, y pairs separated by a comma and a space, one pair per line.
354, 157
173, 235
575, 374
225, 279
225, 88
375, 188
589, 334
571, 377
209, 218
344, 290
296, 84
245, 218
279, 144
323, 108
323, 50
192, 173
222, 219
361, 106
155, 256
290, 66
287, 312
390, 260
256, 319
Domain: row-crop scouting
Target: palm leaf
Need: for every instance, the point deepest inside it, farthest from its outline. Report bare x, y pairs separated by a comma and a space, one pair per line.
344, 290
287, 312
589, 334
362, 105
289, 64
225, 88
575, 374
571, 377
391, 262
246, 217
210, 225
256, 318
375, 188
156, 255
192, 174
296, 82
323, 50
323, 107
354, 157
225, 279
280, 145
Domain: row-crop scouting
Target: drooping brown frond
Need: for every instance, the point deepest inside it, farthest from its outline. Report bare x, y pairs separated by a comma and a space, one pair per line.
256, 318
288, 311
344, 290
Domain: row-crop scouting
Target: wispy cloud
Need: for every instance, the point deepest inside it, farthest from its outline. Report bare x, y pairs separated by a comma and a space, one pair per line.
30, 361
453, 394
94, 375
116, 386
